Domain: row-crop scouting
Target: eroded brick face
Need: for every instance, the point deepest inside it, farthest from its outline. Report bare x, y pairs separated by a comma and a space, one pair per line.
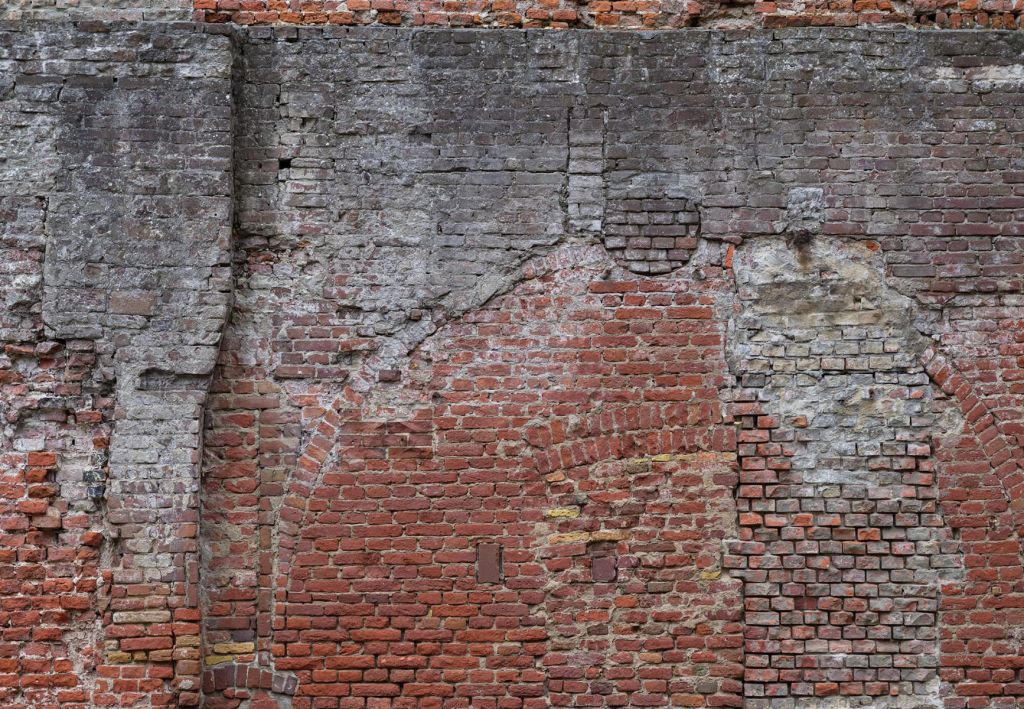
111, 309
635, 489
364, 367
610, 512
617, 14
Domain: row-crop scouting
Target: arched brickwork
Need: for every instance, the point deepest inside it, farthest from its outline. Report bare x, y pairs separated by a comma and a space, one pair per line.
552, 454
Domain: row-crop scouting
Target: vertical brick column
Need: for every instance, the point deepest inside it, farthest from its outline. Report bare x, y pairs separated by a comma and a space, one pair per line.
137, 260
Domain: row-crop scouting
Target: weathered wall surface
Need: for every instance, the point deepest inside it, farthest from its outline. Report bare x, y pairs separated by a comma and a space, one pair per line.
115, 198
64, 10
618, 14
802, 206
573, 369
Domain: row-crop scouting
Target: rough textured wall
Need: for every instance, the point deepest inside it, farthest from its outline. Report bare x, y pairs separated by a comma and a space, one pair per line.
64, 10
484, 276
619, 14
555, 369
115, 203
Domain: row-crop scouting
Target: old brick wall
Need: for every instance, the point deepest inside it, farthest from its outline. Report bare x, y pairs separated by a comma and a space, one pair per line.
370, 367
619, 14
831, 195
115, 195
108, 10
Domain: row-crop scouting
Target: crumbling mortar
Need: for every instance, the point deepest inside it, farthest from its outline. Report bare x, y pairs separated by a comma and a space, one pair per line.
403, 338
738, 367
563, 193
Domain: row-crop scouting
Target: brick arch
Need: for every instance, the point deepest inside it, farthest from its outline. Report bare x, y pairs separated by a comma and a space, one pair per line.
982, 492
645, 505
381, 519
1003, 453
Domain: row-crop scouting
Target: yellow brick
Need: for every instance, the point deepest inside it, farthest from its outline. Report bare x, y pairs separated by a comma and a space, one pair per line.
703, 456
563, 512
710, 575
187, 641
569, 538
115, 658
211, 660
638, 466
233, 648
142, 617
